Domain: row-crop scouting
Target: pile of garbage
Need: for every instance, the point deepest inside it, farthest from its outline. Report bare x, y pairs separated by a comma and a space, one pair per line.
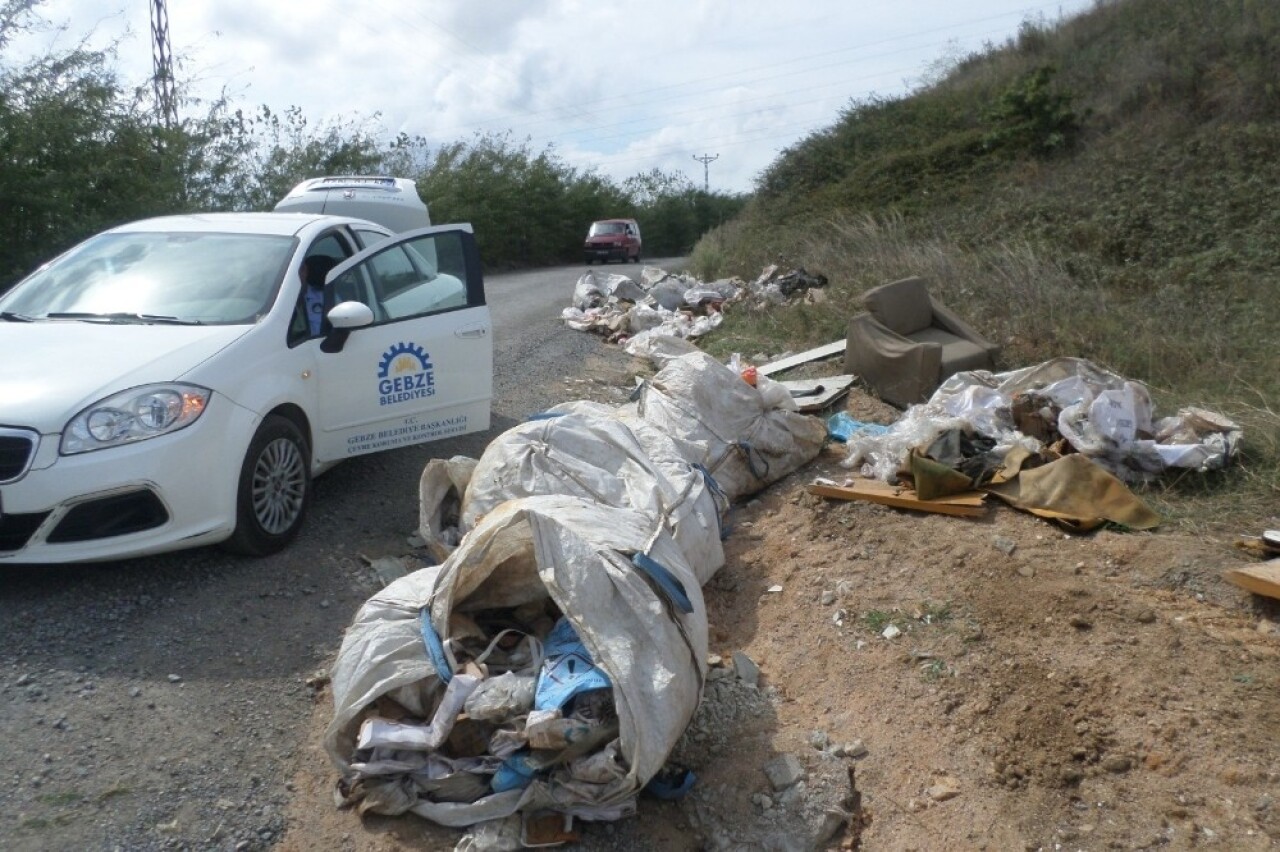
976, 420
673, 305
552, 660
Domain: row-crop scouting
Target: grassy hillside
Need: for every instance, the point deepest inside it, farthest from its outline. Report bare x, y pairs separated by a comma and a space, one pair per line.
1106, 187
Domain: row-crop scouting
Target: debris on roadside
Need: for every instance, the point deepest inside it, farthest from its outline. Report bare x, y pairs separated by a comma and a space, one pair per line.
589, 603
1265, 546
1059, 440
1263, 579
816, 354
661, 303
674, 305
817, 394
969, 504
841, 427
548, 666
1062, 406
696, 438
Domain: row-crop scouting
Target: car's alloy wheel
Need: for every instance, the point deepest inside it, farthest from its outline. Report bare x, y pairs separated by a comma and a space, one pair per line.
274, 489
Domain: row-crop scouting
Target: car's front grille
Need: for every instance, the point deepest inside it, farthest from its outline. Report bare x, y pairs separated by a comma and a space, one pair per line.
17, 449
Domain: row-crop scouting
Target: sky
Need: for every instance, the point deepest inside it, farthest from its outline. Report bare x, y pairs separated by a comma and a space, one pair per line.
614, 87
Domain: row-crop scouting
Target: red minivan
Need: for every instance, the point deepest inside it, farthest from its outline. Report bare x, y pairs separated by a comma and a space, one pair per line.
612, 239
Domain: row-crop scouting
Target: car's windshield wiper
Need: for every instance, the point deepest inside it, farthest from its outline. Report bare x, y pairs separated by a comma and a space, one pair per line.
14, 317
123, 316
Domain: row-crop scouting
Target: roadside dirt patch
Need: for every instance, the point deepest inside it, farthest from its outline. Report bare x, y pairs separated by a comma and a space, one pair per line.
1041, 690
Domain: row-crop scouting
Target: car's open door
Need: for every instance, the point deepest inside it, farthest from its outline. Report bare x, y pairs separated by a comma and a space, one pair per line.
417, 365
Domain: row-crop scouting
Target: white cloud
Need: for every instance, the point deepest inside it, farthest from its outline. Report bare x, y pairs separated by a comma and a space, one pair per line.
623, 87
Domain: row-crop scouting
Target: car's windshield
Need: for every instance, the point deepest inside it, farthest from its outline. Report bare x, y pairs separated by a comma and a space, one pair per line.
599, 229
157, 276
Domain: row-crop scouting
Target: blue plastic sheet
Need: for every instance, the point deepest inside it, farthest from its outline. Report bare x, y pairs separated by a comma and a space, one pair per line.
842, 427
567, 669
515, 773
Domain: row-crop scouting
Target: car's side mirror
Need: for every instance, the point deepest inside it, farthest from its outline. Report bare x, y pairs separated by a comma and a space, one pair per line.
343, 319
350, 315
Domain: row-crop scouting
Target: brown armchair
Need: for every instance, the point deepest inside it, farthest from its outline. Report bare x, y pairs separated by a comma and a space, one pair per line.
906, 343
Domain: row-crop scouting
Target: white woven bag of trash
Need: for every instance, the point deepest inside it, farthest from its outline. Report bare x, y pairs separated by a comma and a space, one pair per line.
615, 463
747, 439
551, 663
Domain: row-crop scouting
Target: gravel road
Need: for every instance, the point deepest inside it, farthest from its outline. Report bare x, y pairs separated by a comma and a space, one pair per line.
158, 703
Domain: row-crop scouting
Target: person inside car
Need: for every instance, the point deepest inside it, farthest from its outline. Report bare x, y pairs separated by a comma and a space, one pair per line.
312, 272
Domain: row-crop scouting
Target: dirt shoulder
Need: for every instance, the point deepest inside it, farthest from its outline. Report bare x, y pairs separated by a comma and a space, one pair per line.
1044, 691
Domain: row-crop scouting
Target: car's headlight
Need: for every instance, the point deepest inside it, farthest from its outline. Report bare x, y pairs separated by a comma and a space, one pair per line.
134, 415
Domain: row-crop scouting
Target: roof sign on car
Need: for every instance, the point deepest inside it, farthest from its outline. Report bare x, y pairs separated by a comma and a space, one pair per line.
329, 182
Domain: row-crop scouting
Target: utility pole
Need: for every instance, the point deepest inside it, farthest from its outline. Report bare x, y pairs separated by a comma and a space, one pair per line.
706, 160
162, 63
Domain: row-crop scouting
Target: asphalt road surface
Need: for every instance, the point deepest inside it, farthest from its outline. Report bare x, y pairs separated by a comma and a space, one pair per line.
156, 703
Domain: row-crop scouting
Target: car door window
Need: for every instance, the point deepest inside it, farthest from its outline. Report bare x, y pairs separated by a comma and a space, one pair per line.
369, 238
423, 275
322, 255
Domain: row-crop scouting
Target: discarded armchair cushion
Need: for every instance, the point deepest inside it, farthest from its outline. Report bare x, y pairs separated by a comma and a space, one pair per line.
905, 344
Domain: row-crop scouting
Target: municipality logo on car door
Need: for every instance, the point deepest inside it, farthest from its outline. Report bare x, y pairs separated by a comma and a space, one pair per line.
404, 373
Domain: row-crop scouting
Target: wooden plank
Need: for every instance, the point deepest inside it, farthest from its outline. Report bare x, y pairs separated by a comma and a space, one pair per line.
967, 505
876, 486
1261, 579
836, 348
816, 394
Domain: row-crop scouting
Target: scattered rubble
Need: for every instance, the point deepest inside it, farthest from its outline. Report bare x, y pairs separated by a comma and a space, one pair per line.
664, 304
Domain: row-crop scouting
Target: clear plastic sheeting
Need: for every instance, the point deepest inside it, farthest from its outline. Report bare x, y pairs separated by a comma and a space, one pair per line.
1099, 414
566, 570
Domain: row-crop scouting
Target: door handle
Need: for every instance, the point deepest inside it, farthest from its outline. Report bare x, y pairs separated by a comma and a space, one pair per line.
472, 331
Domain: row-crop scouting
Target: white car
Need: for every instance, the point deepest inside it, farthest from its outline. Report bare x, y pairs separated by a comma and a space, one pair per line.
160, 386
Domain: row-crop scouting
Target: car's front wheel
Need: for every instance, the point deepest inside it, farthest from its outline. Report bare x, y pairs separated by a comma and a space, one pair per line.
274, 489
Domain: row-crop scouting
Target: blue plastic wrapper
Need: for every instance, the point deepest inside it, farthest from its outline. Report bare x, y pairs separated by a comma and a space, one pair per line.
566, 670
842, 427
515, 773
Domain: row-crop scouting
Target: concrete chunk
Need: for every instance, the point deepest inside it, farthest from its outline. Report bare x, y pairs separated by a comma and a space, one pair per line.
784, 772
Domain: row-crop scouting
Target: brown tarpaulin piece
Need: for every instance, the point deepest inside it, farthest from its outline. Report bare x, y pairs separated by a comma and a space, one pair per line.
933, 479
1078, 494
